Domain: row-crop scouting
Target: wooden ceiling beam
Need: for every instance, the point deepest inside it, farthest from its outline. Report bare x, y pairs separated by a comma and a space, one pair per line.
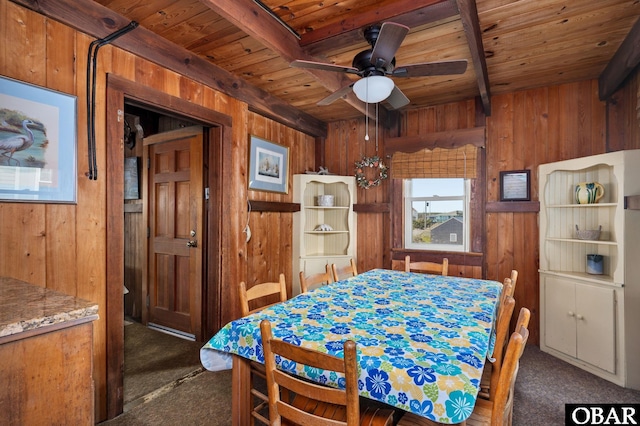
260, 25
471, 25
98, 21
624, 61
411, 13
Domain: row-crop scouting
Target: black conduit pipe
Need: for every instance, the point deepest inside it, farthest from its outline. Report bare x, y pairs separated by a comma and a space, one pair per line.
92, 59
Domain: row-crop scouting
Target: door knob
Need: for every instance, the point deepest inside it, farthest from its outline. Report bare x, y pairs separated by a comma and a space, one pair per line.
192, 243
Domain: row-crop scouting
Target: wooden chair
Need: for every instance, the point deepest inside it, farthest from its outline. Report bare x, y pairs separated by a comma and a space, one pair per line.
490, 374
485, 381
514, 279
315, 404
491, 369
497, 411
427, 267
507, 290
397, 265
259, 291
343, 272
319, 279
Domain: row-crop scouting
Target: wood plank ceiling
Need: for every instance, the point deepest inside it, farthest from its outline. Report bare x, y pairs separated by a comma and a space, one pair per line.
509, 45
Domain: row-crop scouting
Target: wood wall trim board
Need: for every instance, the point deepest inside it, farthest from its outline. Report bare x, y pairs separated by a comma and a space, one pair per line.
455, 258
445, 139
632, 202
272, 206
140, 96
114, 175
513, 207
133, 208
372, 208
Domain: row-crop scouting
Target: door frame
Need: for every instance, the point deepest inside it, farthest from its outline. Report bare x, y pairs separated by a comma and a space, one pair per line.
220, 145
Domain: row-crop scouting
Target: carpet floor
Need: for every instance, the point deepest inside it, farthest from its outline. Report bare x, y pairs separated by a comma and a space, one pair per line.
153, 359
189, 395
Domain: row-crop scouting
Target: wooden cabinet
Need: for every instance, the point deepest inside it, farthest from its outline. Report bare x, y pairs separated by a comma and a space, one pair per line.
324, 230
590, 319
48, 378
46, 356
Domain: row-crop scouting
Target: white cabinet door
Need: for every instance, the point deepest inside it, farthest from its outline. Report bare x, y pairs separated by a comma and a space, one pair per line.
560, 309
595, 323
580, 321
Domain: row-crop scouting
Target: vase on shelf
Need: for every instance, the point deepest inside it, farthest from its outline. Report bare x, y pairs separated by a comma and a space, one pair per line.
589, 192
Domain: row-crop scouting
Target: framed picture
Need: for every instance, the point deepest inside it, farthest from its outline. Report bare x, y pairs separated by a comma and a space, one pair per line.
515, 185
37, 144
268, 166
131, 180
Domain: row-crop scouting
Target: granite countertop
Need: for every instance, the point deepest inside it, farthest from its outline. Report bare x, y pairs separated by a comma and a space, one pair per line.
25, 307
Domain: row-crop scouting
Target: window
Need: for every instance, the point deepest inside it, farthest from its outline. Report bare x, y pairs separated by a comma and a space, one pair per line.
435, 214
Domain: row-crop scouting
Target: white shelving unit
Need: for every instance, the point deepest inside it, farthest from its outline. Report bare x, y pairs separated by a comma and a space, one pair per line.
585, 319
313, 249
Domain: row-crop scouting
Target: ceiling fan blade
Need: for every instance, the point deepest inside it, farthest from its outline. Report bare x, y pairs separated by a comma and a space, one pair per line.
431, 68
299, 63
336, 95
397, 99
389, 40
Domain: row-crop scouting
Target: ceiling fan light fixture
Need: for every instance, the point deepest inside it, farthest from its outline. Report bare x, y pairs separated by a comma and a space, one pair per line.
373, 89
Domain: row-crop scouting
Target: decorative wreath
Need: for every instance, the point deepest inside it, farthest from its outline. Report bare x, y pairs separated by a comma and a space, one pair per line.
370, 162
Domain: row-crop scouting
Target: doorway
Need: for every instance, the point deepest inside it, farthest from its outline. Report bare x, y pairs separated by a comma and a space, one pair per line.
175, 224
124, 95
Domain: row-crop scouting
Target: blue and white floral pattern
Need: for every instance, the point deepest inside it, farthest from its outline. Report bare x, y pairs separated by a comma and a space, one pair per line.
422, 339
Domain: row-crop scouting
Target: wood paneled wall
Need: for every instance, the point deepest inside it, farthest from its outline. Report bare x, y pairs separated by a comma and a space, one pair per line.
526, 129
344, 146
63, 247
269, 252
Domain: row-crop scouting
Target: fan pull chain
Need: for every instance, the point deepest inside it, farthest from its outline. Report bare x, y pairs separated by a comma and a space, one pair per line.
366, 122
366, 115
377, 128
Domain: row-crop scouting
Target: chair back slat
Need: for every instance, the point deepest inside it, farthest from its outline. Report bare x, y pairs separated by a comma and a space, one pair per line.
343, 272
427, 267
258, 291
503, 400
505, 313
314, 280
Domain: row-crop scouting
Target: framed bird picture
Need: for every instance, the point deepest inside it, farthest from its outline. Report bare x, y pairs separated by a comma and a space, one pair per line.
37, 144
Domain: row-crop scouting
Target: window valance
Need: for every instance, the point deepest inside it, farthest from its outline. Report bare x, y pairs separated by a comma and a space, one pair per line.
458, 162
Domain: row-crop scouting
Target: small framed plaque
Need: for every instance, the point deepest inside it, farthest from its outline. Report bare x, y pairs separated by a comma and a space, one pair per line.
515, 185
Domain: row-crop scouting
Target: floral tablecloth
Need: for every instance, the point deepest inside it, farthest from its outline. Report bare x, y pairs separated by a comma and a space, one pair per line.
422, 339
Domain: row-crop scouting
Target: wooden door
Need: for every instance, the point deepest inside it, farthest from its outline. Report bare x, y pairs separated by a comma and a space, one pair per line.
175, 230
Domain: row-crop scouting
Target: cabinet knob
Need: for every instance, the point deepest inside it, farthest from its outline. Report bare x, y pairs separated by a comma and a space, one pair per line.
580, 317
570, 313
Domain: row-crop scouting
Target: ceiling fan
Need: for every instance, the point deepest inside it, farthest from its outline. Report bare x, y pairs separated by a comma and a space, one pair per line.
375, 64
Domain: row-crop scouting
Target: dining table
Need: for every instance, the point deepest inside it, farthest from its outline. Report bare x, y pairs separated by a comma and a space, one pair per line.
422, 339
